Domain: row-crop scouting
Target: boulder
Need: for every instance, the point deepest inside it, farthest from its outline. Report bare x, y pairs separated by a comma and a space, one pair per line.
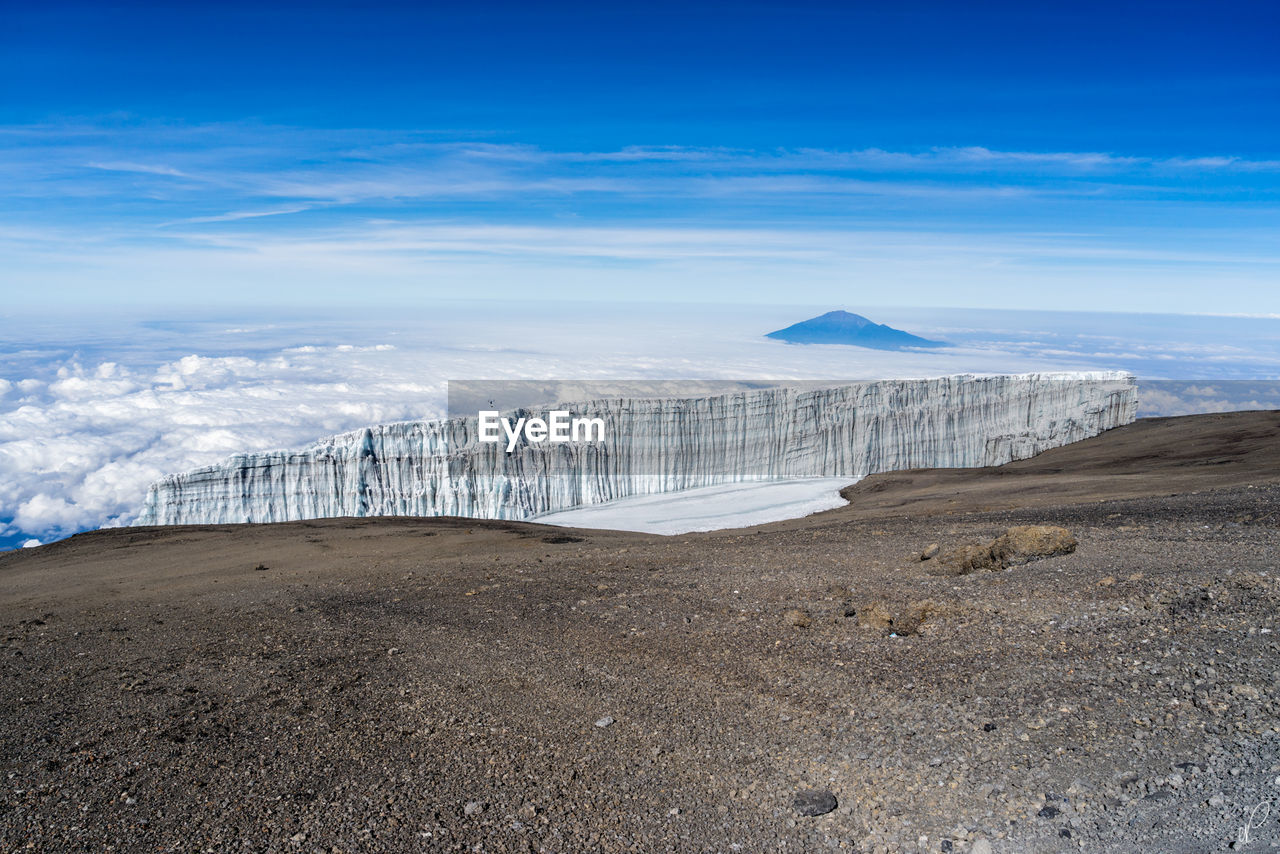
1015, 547
1027, 543
874, 616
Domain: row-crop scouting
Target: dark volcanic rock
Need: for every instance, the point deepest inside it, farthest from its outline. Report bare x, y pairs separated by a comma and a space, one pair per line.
815, 802
157, 694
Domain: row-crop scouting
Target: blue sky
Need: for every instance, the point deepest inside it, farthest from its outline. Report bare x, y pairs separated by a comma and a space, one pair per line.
234, 226
1112, 156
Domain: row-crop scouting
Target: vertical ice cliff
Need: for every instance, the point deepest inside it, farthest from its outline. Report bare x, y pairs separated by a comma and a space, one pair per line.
437, 468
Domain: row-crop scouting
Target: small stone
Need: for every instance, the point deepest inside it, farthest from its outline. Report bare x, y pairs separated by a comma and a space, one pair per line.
796, 617
298, 838
528, 811
988, 727
1047, 811
473, 808
980, 846
605, 721
930, 551
814, 802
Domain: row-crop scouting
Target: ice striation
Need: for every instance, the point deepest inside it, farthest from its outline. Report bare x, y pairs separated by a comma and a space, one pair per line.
653, 445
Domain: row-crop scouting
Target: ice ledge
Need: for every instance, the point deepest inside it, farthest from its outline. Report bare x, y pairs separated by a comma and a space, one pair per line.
655, 445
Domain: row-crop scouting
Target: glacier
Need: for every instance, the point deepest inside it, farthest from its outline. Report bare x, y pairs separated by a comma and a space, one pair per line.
654, 445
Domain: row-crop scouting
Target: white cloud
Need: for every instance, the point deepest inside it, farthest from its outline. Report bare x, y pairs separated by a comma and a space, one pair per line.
81, 453
42, 512
1186, 398
1220, 163
106, 378
244, 212
81, 448
232, 216
241, 166
142, 168
959, 159
91, 431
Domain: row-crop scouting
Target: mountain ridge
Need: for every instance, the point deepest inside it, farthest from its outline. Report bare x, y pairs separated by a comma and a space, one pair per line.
844, 327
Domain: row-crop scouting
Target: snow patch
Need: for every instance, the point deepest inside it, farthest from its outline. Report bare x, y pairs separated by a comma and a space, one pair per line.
710, 508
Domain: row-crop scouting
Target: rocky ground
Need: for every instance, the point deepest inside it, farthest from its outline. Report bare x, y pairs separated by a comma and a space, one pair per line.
446, 685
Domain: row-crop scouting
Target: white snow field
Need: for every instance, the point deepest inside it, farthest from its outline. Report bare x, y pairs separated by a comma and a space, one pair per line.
709, 508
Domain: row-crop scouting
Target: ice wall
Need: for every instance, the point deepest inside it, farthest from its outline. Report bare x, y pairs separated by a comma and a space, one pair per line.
439, 468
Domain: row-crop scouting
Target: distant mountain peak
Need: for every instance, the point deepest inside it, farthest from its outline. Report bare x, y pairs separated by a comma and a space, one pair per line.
843, 316
845, 327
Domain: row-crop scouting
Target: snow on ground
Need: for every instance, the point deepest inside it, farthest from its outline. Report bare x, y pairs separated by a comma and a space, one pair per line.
710, 508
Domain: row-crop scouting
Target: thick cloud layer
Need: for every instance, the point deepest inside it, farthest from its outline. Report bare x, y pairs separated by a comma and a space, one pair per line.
92, 411
77, 451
